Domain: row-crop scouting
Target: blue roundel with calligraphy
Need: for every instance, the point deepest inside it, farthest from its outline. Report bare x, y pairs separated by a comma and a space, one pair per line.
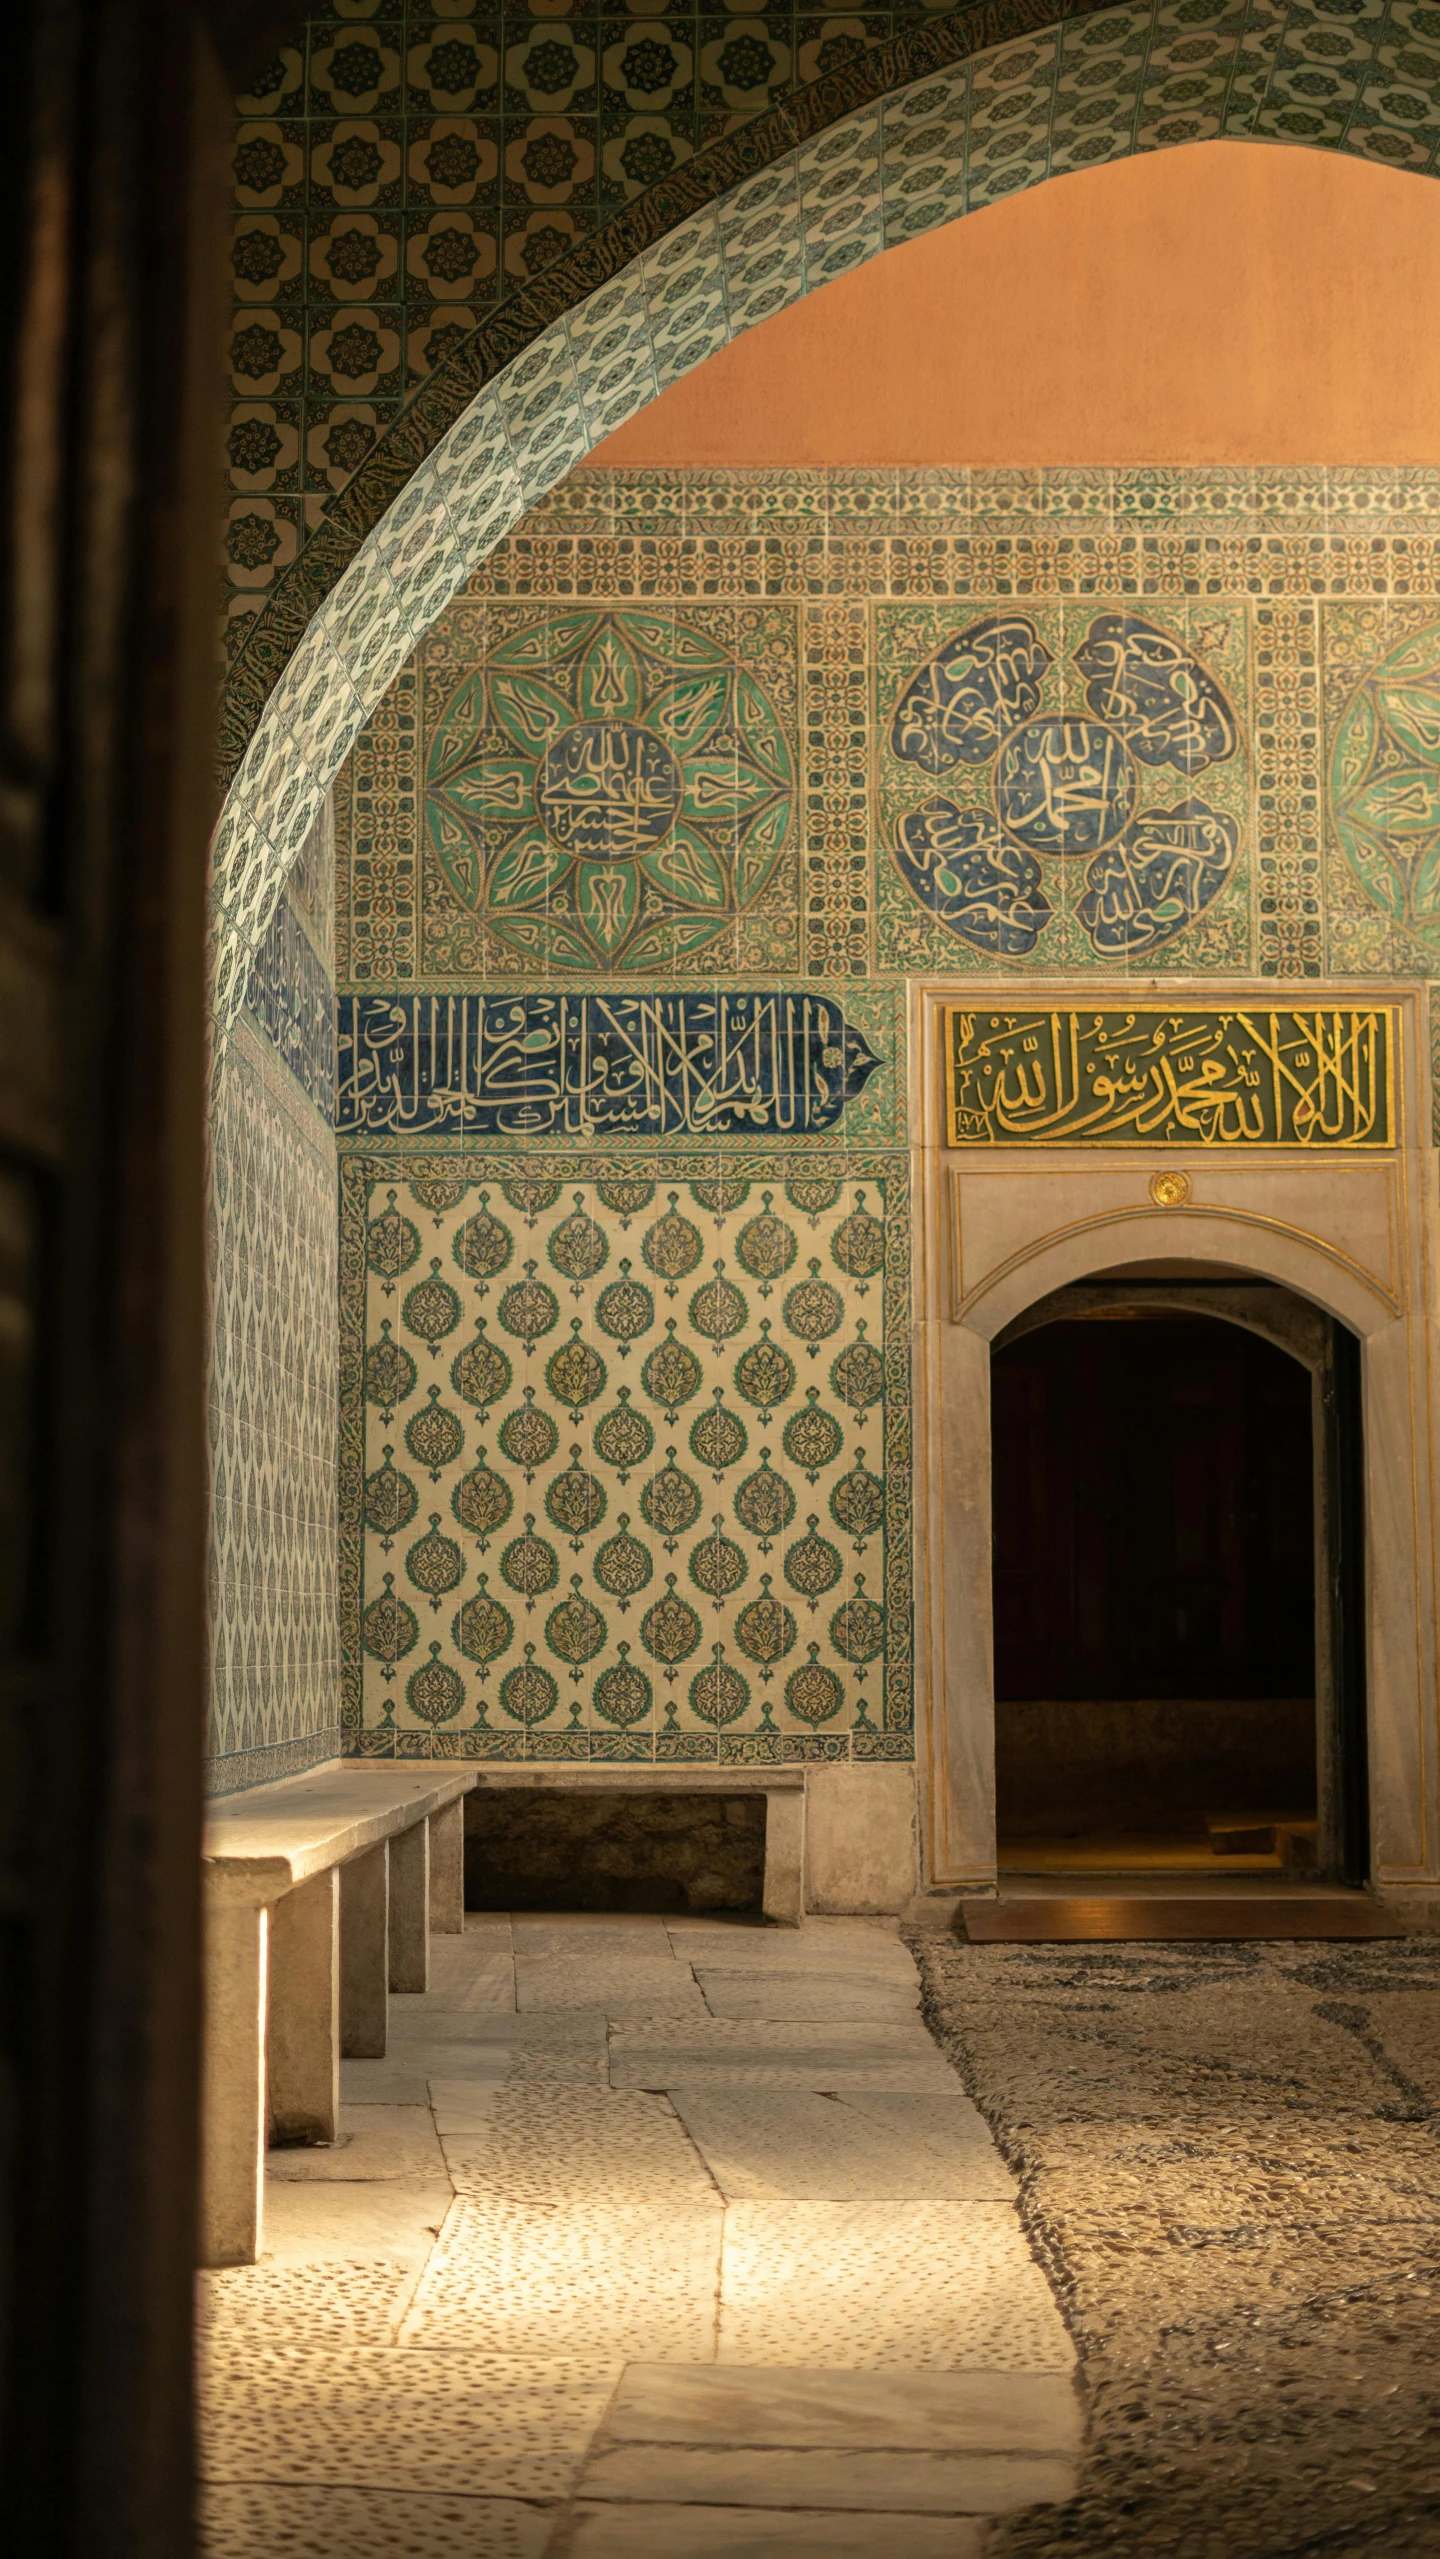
611, 790
1064, 787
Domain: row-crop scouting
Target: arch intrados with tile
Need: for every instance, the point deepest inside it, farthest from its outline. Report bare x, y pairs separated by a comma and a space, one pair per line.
914, 134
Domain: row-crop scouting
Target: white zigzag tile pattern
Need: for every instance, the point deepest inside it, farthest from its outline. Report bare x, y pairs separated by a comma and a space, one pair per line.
274, 1627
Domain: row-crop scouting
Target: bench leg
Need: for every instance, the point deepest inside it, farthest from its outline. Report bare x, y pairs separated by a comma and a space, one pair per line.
364, 1953
233, 2136
784, 1893
303, 2061
410, 1908
447, 1870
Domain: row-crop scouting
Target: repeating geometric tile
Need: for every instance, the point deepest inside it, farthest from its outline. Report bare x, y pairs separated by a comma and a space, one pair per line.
753, 924
625, 1457
273, 1376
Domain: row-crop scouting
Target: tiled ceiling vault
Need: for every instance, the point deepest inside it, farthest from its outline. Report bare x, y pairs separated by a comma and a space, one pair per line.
530, 215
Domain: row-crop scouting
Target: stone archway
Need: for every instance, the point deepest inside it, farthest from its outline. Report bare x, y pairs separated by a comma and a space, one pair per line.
851, 165
1005, 1231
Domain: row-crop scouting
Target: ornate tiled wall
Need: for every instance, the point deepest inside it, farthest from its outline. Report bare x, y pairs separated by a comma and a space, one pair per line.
1205, 631
402, 172
274, 1686
634, 864
380, 444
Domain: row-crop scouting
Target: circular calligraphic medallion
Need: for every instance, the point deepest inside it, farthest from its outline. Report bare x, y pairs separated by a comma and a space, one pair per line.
609, 790
1065, 786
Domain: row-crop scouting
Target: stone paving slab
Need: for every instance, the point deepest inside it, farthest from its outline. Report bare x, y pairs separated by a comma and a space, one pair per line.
498, 2423
943, 2117
593, 2148
491, 2323
374, 2144
791, 2144
763, 1990
462, 1982
798, 2408
938, 2483
639, 1987
246, 2520
820, 1945
597, 1933
561, 2029
932, 2286
730, 2052
559, 2045
629, 2282
719, 2532
310, 2220
396, 2081
355, 2303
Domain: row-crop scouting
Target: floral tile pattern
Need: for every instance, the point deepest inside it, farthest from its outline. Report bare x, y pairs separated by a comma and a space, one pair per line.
607, 791
625, 1460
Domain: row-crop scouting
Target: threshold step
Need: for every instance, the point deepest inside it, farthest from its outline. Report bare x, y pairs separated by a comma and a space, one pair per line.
1055, 1919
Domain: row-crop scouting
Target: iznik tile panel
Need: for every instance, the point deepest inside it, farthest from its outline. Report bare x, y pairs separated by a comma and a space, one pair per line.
273, 1352
1120, 726
1064, 785
626, 1459
401, 173
1171, 1075
647, 1066
1068, 720
1382, 776
273, 1386
608, 791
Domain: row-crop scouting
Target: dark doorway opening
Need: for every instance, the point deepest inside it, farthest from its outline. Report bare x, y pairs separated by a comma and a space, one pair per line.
1155, 1596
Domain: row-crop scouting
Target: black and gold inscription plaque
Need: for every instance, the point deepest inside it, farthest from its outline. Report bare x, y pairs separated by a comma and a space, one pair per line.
1170, 1075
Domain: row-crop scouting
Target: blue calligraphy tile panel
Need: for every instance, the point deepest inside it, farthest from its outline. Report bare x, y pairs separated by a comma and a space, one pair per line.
651, 1066
1059, 746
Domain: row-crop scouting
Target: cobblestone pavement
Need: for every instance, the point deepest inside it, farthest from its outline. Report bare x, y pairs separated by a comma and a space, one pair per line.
1229, 2166
647, 2239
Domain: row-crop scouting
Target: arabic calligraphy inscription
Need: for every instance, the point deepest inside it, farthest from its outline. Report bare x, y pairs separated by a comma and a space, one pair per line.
1153, 1075
650, 1066
1064, 788
608, 789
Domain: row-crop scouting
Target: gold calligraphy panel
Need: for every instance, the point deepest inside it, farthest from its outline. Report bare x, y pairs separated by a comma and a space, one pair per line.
1167, 1075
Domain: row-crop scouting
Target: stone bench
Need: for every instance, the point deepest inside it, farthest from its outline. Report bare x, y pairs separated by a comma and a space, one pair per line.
783, 1893
320, 1895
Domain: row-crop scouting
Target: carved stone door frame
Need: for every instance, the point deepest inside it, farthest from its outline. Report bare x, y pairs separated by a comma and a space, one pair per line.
1000, 1227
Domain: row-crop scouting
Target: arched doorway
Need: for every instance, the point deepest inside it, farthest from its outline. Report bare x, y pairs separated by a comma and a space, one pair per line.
1175, 1562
